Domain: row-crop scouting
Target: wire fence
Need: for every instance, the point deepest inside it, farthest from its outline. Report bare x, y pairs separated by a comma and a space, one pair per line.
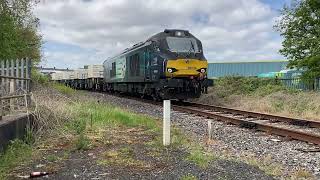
14, 86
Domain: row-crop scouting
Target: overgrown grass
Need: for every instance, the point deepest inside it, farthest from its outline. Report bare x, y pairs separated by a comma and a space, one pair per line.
200, 157
63, 89
188, 177
103, 114
122, 157
18, 151
265, 164
301, 174
263, 95
90, 117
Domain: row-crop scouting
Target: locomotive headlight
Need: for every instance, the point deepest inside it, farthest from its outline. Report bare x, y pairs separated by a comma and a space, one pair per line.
169, 70
203, 70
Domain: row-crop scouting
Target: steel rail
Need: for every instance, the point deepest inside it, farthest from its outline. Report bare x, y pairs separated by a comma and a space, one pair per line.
294, 134
293, 121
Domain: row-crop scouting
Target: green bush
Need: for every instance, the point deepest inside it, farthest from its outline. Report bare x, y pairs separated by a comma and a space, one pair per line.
39, 78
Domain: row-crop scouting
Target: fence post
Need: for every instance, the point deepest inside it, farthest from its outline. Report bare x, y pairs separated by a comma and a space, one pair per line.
12, 90
1, 82
28, 82
1, 107
166, 122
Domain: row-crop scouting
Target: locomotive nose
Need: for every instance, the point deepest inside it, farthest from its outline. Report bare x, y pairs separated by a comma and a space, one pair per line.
186, 67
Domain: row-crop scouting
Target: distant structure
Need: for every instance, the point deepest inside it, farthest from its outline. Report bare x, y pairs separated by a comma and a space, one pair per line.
247, 69
88, 71
49, 71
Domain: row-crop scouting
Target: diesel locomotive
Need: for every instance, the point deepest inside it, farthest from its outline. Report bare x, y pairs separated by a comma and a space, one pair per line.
169, 65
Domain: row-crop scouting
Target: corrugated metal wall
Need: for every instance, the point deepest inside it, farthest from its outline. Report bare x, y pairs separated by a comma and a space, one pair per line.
244, 68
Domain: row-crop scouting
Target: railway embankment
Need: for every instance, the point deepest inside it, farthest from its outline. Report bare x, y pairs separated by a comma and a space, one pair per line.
88, 135
263, 95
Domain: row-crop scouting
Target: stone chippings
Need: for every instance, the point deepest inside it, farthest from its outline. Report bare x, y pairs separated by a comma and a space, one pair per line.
236, 140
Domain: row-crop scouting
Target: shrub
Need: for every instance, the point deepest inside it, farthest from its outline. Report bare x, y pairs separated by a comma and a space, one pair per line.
39, 78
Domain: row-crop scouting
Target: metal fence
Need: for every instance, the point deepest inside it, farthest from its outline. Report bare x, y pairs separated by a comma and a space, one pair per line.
14, 86
297, 83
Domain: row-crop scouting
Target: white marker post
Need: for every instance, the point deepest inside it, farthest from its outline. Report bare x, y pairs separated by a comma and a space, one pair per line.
166, 122
210, 129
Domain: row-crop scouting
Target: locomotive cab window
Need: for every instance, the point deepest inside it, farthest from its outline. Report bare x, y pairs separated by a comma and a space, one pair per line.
176, 44
134, 65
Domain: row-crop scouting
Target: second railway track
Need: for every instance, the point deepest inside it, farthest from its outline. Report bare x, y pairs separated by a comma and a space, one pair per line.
257, 121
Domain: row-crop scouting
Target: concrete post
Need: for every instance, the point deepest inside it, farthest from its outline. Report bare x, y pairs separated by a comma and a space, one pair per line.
166, 122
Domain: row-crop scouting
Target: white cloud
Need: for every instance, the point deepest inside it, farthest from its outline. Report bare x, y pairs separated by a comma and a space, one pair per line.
229, 29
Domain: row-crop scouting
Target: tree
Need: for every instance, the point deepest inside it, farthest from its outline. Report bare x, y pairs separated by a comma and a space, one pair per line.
18, 30
300, 27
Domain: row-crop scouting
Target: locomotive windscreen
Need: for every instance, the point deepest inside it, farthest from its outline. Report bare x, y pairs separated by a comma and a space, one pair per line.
176, 44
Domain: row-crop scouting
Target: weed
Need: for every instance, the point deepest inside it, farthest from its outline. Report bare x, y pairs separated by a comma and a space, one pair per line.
122, 157
82, 142
302, 174
265, 164
29, 135
17, 152
188, 177
52, 158
200, 157
127, 151
63, 89
178, 138
79, 125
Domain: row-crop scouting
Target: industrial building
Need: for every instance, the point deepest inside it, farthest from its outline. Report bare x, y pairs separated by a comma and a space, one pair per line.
221, 69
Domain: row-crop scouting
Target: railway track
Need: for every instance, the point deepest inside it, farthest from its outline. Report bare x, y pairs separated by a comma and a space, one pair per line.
291, 128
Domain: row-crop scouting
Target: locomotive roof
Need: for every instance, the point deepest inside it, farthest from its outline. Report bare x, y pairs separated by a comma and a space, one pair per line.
171, 32
156, 37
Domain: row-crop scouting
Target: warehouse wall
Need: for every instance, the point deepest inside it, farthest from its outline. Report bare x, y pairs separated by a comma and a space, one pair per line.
244, 68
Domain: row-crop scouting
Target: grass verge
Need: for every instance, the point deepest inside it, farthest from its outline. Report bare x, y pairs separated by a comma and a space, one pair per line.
63, 89
18, 151
263, 95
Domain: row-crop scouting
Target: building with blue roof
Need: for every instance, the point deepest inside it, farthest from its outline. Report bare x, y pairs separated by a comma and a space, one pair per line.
253, 68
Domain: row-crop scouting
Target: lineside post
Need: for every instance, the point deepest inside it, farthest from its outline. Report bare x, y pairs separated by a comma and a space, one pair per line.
210, 129
166, 122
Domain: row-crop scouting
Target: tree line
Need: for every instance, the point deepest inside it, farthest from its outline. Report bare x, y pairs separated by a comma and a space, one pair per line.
19, 37
300, 26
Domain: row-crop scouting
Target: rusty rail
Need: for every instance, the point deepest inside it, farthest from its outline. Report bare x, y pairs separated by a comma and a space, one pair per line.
294, 134
293, 121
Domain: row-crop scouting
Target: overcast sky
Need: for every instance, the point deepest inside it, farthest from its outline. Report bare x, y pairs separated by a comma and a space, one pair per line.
79, 32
